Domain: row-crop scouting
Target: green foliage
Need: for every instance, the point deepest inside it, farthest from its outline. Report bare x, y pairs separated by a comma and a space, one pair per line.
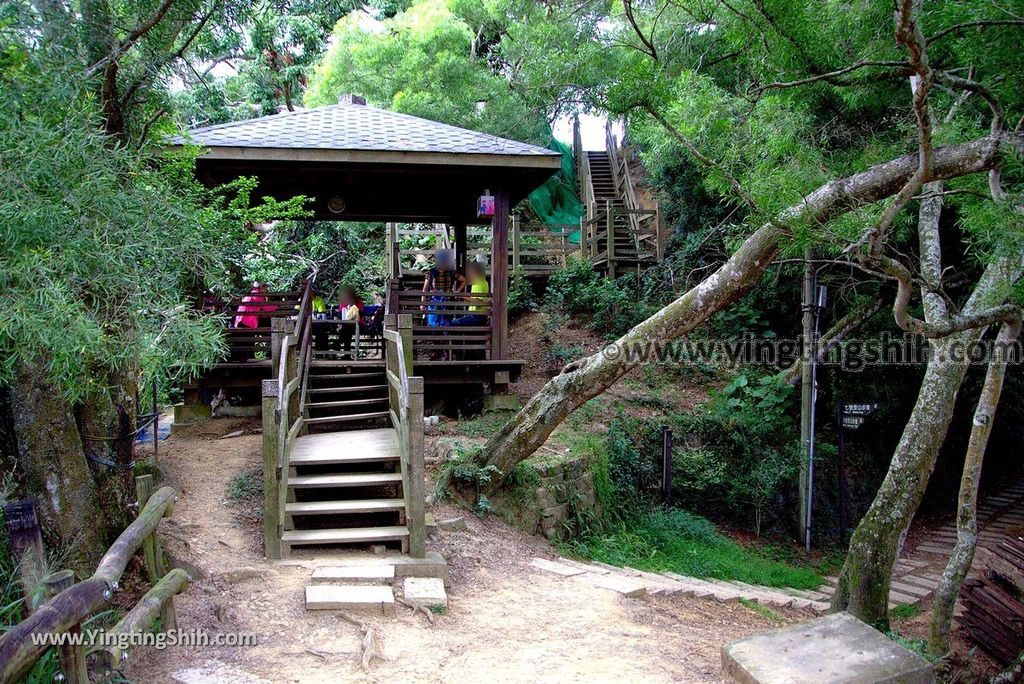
426, 53
579, 290
521, 297
246, 484
905, 611
674, 540
462, 467
763, 611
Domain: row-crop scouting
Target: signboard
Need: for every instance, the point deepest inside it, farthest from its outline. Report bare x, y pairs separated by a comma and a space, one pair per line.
852, 415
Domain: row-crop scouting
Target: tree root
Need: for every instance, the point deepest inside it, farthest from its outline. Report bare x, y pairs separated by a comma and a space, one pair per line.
371, 642
417, 608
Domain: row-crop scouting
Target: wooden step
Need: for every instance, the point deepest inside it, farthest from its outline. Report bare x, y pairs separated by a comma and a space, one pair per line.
349, 480
354, 388
345, 402
362, 364
346, 535
338, 419
341, 507
347, 456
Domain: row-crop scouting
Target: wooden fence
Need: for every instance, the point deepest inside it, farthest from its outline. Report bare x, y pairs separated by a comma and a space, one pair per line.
405, 398
69, 604
431, 313
284, 407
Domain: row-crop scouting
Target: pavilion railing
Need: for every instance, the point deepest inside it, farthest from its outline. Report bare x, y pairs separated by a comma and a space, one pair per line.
405, 401
431, 314
246, 343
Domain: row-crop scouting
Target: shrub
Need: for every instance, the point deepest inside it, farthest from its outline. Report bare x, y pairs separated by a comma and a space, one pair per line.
521, 297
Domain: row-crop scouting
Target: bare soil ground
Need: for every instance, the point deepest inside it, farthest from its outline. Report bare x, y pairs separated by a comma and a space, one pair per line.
507, 622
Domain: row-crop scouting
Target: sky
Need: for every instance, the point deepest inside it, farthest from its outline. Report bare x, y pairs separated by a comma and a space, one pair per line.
591, 130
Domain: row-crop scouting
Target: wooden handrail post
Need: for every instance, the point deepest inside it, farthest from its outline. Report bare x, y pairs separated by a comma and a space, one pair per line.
405, 330
415, 515
72, 657
150, 545
610, 222
291, 371
271, 471
515, 243
279, 328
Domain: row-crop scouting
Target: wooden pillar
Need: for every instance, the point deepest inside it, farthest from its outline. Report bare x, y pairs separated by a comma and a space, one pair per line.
416, 513
26, 547
279, 327
460, 247
72, 658
271, 471
144, 490
499, 277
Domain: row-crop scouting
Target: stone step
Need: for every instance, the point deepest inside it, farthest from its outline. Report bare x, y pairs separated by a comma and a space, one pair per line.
627, 587
426, 591
923, 582
558, 568
910, 589
350, 597
355, 574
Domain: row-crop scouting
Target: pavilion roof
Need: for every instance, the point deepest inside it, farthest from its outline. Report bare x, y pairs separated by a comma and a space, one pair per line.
361, 133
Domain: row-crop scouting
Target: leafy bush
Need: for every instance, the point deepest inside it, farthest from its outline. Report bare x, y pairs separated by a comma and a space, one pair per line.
521, 297
579, 290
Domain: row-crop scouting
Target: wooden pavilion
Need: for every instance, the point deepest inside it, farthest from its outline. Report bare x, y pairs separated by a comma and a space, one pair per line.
363, 163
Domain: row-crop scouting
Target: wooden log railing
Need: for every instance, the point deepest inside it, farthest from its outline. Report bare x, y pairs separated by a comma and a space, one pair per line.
405, 401
70, 604
436, 335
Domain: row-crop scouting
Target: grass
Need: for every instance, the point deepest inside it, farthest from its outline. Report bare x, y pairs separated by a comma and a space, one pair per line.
763, 611
483, 426
905, 611
674, 540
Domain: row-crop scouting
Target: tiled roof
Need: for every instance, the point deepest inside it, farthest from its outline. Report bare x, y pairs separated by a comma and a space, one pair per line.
354, 127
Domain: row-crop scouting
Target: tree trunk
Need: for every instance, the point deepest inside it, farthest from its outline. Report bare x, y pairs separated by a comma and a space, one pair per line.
56, 472
585, 379
864, 582
967, 516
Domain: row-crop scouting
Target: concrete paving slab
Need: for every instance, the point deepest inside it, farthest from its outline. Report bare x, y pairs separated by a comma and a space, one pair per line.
626, 586
427, 591
349, 597
556, 567
836, 649
379, 574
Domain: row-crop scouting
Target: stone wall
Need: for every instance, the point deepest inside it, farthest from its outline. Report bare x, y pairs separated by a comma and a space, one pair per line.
550, 503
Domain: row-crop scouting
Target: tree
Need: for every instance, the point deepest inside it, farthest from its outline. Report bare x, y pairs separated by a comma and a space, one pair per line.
769, 100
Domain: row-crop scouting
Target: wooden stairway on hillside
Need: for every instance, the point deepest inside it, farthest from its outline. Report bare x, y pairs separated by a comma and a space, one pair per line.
346, 393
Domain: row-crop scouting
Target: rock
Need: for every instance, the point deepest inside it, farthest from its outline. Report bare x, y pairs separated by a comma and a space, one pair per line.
379, 549
216, 673
239, 575
453, 525
829, 650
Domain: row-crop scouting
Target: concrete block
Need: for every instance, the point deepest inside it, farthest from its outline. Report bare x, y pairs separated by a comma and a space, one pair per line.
356, 574
427, 591
350, 597
836, 649
557, 568
625, 586
191, 413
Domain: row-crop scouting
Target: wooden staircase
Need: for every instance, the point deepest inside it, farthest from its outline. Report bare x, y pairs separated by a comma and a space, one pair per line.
346, 394
621, 229
345, 488
343, 448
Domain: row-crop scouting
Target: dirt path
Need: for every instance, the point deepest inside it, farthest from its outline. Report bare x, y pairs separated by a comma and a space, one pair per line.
506, 623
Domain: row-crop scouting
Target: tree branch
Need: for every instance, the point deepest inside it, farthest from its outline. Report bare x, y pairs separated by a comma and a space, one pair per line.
969, 24
827, 76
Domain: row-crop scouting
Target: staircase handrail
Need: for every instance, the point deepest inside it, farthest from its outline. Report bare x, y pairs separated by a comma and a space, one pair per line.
405, 403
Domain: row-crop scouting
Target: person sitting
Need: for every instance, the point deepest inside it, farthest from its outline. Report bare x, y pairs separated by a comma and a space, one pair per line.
319, 313
477, 278
350, 308
442, 278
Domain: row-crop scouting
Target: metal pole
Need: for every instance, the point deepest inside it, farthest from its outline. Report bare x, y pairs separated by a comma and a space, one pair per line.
666, 465
805, 389
842, 466
817, 305
156, 424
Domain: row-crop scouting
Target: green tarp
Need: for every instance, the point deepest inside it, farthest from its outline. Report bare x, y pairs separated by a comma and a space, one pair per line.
556, 202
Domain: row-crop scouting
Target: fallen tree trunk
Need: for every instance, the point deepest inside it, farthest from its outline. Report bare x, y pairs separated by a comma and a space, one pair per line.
582, 380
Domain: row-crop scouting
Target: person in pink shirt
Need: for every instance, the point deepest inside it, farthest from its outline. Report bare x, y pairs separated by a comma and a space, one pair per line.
246, 317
